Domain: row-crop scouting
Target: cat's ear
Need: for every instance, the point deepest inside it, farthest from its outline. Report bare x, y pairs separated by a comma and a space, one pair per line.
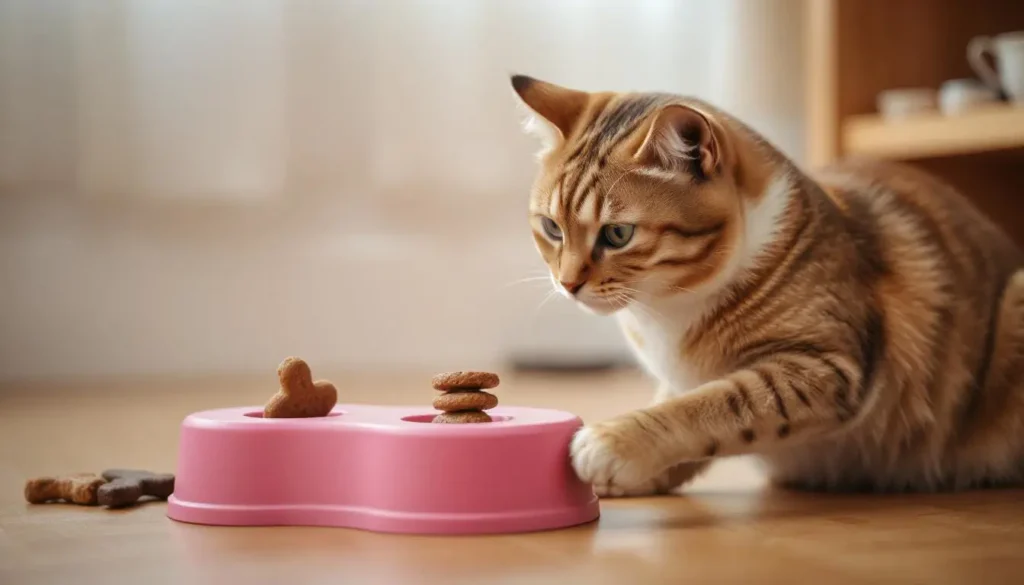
681, 138
554, 110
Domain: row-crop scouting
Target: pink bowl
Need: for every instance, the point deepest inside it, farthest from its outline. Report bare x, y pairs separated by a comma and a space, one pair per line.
381, 468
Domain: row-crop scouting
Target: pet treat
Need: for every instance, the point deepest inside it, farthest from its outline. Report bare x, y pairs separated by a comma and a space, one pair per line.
462, 398
300, 396
464, 381
462, 417
465, 400
126, 486
77, 488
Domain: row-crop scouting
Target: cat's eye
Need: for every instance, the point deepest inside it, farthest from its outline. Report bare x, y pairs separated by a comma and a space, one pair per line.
616, 235
551, 228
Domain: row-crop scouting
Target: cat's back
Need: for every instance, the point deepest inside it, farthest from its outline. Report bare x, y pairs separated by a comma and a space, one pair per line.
940, 214
953, 332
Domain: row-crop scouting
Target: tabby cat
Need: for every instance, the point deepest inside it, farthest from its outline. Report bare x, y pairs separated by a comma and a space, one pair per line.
861, 329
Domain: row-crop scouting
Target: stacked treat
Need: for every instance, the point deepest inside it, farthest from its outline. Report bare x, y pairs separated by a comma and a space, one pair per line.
462, 398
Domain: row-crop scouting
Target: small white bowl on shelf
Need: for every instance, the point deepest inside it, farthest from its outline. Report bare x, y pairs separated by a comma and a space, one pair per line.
899, 103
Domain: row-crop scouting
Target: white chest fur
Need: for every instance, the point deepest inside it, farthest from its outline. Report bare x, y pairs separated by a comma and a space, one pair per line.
657, 343
656, 330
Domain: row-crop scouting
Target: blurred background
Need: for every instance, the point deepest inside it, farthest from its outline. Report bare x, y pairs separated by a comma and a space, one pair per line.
192, 187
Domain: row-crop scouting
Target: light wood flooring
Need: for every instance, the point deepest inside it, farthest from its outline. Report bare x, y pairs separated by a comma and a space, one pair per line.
726, 528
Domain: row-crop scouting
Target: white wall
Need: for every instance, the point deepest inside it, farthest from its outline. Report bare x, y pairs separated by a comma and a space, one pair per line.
352, 191
96, 291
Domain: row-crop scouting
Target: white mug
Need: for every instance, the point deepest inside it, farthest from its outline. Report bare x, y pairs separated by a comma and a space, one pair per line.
1007, 50
961, 95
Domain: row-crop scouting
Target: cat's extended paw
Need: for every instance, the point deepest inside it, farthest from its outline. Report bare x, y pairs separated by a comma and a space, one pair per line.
612, 457
614, 490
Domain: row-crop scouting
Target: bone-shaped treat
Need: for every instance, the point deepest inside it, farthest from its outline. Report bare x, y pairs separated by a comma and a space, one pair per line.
77, 488
300, 396
126, 486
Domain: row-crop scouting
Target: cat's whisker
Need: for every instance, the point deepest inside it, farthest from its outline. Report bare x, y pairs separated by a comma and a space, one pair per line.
635, 293
643, 307
619, 299
527, 280
551, 294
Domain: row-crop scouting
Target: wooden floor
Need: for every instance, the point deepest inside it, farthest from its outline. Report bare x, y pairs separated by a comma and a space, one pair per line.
727, 528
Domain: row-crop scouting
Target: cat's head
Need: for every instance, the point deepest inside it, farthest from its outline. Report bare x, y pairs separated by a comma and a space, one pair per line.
639, 196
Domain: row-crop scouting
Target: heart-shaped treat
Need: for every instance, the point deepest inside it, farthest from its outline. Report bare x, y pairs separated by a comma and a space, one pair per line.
300, 396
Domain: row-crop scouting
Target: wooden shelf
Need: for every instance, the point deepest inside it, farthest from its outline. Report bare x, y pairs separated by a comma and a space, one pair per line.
933, 135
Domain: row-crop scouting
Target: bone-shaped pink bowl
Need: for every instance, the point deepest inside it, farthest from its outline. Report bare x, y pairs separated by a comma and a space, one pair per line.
385, 469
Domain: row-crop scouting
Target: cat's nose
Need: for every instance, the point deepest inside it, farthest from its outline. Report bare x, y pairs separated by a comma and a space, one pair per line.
573, 286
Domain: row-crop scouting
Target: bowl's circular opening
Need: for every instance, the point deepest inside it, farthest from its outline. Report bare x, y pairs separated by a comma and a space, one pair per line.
426, 418
259, 414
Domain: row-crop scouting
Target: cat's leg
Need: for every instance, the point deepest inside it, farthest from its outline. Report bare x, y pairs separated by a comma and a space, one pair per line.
664, 482
992, 419
792, 392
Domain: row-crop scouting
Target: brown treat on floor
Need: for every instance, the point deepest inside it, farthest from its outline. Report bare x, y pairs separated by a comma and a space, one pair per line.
464, 417
300, 396
77, 488
471, 400
464, 381
126, 486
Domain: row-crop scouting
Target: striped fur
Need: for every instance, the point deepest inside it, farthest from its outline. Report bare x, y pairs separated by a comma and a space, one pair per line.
861, 329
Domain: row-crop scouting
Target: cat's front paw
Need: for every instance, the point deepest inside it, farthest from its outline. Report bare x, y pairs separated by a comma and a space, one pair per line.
615, 490
611, 456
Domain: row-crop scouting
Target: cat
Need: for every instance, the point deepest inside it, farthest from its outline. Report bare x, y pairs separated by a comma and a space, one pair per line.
859, 329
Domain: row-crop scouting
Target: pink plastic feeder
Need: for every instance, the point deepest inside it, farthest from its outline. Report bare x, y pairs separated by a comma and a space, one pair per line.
385, 469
